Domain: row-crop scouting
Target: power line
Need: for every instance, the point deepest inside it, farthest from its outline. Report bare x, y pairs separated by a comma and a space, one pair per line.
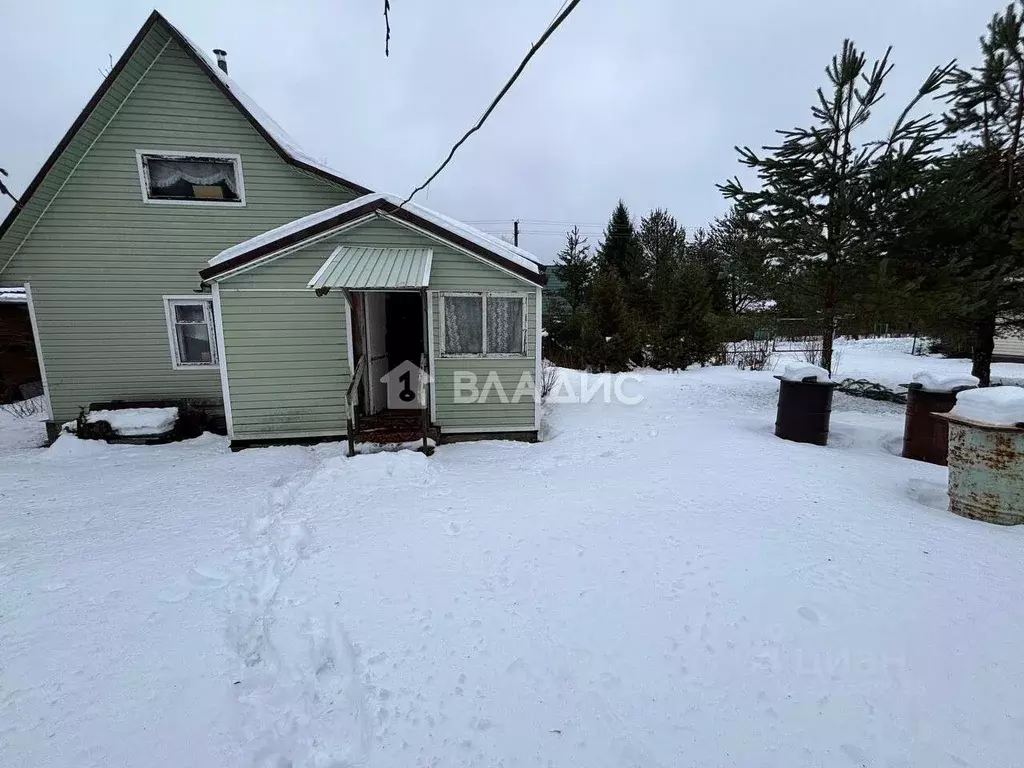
511, 81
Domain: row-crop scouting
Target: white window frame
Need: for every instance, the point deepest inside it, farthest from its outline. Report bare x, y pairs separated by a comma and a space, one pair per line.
208, 312
524, 297
176, 154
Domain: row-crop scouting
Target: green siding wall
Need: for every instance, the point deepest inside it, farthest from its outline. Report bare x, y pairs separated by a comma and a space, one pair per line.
451, 270
287, 362
490, 412
100, 259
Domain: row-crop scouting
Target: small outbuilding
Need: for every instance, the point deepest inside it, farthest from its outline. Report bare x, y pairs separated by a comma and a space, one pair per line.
379, 311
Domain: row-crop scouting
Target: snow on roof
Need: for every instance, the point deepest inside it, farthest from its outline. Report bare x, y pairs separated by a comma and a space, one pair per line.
271, 126
491, 243
13, 296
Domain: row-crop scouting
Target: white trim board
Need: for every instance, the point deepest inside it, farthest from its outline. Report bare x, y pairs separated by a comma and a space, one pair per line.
483, 430
195, 298
430, 295
225, 391
538, 355
523, 296
349, 344
172, 154
39, 347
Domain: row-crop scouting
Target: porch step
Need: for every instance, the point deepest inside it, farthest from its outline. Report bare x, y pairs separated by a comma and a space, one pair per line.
385, 437
393, 427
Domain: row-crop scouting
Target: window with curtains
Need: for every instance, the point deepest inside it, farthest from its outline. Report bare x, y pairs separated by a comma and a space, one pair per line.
192, 333
488, 324
195, 179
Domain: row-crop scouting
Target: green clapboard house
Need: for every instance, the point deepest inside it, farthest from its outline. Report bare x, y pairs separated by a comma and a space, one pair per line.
177, 245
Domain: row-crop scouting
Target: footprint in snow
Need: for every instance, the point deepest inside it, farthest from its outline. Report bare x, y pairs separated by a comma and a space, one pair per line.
208, 578
809, 614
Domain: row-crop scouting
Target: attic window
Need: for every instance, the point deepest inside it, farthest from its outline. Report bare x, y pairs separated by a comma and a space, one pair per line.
189, 179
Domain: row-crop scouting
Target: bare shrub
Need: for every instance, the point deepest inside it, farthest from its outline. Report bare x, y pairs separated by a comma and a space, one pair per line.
548, 379
750, 354
23, 409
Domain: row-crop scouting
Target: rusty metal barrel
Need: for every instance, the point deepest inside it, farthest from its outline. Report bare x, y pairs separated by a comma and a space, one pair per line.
986, 471
804, 411
925, 438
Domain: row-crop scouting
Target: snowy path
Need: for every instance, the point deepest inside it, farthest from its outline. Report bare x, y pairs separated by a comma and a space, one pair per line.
660, 585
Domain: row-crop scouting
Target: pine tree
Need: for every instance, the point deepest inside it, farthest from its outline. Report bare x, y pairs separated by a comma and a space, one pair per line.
827, 196
987, 113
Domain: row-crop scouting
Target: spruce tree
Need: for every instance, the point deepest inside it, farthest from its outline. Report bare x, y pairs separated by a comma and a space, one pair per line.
663, 242
744, 258
621, 251
611, 336
574, 270
621, 255
827, 194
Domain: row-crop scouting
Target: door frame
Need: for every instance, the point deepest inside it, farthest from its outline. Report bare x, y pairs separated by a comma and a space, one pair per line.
360, 308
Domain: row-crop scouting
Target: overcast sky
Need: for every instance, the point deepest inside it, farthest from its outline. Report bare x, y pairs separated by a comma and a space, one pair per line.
638, 99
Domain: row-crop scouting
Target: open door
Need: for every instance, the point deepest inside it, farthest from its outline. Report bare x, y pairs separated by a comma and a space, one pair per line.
376, 350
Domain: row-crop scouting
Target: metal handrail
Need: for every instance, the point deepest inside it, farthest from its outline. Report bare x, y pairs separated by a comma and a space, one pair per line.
351, 401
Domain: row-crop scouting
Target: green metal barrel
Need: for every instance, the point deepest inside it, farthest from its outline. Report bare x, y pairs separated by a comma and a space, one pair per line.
986, 471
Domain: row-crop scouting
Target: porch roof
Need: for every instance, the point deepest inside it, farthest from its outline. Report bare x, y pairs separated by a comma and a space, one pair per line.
363, 268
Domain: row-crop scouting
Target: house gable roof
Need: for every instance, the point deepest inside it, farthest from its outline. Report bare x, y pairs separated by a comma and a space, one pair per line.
480, 244
140, 54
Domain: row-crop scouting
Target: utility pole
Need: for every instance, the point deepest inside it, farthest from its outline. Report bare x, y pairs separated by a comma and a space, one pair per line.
515, 233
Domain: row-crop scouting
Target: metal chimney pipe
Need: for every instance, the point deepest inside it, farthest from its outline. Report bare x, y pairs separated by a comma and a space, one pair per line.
222, 59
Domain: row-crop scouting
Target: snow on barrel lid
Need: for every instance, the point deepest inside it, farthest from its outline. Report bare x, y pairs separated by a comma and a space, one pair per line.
1002, 406
937, 382
804, 371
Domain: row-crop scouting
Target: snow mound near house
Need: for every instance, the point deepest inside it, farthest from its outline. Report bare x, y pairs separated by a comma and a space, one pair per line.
939, 382
801, 371
136, 422
69, 447
994, 405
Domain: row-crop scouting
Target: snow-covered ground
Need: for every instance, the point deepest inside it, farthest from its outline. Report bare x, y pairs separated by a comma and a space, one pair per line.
658, 584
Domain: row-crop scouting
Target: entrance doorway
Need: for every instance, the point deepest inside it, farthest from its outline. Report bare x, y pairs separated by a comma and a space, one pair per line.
391, 330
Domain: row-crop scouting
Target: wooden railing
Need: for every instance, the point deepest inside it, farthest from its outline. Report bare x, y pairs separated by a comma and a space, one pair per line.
351, 403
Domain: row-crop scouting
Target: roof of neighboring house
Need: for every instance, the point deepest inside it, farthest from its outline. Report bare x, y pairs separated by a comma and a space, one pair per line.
462, 235
284, 145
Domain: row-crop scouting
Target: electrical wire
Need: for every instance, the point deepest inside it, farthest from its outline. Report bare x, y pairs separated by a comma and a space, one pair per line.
559, 18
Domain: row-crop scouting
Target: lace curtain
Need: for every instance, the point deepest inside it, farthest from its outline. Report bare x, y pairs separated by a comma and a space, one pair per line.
167, 173
463, 325
504, 325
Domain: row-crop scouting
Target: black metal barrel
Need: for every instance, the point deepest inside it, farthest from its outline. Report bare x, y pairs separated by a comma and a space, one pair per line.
926, 438
805, 408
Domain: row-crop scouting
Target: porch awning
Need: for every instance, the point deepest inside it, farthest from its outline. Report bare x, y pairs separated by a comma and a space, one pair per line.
366, 268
